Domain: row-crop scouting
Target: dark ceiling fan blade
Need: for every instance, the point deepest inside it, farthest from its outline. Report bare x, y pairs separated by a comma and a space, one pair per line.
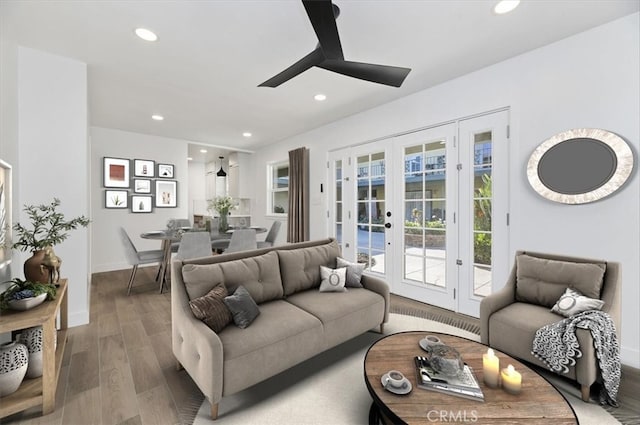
322, 17
312, 59
382, 74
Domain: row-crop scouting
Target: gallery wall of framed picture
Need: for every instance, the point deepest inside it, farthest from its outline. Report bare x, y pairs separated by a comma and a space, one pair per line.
138, 185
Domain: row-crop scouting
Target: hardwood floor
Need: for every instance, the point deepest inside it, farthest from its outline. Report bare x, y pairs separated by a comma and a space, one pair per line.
119, 369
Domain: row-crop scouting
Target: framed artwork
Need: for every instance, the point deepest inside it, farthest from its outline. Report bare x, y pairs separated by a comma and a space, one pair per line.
165, 171
142, 186
116, 198
5, 214
116, 172
166, 193
141, 204
144, 168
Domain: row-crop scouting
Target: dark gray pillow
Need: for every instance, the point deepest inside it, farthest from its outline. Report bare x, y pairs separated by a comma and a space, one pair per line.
211, 309
354, 272
243, 308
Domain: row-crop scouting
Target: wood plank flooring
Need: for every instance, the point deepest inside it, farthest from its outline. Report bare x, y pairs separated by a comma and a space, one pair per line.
120, 370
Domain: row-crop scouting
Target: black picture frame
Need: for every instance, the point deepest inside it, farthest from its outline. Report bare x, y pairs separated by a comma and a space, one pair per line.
141, 204
165, 171
142, 185
166, 194
116, 172
116, 199
144, 168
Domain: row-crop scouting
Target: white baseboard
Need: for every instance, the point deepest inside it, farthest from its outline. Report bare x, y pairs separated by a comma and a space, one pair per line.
630, 357
78, 318
102, 268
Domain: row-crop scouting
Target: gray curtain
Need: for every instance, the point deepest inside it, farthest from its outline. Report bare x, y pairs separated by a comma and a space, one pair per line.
298, 228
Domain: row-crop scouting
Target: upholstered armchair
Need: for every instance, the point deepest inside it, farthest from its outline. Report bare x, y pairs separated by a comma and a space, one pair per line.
510, 317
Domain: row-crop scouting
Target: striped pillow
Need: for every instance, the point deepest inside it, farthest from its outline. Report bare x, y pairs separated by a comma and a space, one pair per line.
211, 309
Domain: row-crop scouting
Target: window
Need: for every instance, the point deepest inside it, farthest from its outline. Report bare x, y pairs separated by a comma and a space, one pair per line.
278, 188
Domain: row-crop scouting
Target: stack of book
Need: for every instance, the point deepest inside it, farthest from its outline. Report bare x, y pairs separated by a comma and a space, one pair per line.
464, 384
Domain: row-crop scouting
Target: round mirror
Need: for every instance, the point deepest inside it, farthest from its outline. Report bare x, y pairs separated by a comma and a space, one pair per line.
580, 165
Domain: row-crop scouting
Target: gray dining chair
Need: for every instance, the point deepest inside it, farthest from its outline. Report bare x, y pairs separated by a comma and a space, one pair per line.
271, 236
194, 245
242, 240
135, 257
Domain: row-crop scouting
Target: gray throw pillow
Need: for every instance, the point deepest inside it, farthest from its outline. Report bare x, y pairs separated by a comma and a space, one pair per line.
333, 280
573, 302
211, 309
354, 272
243, 308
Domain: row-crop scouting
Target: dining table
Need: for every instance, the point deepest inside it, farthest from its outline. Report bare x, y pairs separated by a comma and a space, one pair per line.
170, 236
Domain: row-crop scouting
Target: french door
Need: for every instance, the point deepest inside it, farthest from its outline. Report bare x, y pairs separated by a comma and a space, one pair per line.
427, 210
360, 205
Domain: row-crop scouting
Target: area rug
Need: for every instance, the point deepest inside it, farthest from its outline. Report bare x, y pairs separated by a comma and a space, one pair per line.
329, 388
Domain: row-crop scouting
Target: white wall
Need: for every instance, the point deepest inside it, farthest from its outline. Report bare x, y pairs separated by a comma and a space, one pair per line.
52, 158
197, 187
588, 80
107, 249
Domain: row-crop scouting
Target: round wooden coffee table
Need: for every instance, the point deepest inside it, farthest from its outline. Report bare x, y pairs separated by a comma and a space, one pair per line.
538, 403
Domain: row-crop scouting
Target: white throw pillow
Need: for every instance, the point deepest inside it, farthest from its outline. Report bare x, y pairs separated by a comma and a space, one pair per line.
573, 302
354, 272
333, 280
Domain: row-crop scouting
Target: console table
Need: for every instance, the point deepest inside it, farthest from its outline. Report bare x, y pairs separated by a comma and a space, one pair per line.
42, 390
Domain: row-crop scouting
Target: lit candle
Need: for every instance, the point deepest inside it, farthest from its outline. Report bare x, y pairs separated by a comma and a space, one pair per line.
511, 380
490, 368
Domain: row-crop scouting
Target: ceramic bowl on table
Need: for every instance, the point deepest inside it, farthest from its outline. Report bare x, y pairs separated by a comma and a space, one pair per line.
27, 303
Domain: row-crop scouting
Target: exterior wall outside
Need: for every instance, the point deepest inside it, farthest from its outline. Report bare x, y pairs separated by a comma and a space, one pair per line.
548, 90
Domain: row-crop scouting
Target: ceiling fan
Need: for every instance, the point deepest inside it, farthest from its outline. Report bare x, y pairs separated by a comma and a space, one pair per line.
328, 53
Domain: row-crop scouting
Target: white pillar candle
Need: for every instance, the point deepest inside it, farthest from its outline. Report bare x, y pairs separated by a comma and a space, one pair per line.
511, 380
490, 368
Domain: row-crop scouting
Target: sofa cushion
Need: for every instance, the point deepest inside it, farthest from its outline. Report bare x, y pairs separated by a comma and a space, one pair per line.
211, 309
300, 268
242, 307
259, 275
354, 272
343, 314
333, 280
513, 328
573, 302
542, 281
282, 336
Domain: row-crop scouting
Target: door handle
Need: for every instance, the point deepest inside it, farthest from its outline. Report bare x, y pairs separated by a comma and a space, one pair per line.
387, 225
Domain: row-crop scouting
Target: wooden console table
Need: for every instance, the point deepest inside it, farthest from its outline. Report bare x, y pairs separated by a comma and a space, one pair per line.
42, 390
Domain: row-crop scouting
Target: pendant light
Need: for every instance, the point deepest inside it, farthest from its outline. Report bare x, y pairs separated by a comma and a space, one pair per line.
221, 172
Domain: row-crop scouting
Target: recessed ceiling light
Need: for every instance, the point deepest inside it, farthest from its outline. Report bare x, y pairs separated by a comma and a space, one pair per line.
157, 117
189, 158
203, 151
146, 34
505, 6
320, 97
246, 134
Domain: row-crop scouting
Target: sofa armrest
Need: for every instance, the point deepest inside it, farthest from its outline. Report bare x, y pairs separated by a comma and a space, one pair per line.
494, 302
196, 347
378, 286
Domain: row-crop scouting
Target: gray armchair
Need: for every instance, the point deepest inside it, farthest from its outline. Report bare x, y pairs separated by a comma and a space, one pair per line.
510, 317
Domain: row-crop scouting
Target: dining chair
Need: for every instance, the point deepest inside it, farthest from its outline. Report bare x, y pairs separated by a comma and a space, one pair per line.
136, 257
242, 240
271, 236
194, 245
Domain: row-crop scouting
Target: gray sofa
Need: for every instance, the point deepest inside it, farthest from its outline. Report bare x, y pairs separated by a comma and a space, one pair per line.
296, 321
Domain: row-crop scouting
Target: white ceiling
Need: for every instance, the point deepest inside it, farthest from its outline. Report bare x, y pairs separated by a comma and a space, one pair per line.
203, 72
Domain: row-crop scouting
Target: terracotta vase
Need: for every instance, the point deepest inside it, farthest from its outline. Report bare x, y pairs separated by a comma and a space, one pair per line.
33, 269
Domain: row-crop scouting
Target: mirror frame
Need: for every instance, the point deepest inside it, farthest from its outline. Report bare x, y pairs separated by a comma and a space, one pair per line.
624, 166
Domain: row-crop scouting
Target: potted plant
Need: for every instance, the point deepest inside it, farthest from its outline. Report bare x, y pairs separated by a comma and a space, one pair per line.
48, 228
222, 204
23, 294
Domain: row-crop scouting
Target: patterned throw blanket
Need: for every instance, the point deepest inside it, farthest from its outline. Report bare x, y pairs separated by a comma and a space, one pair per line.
557, 346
